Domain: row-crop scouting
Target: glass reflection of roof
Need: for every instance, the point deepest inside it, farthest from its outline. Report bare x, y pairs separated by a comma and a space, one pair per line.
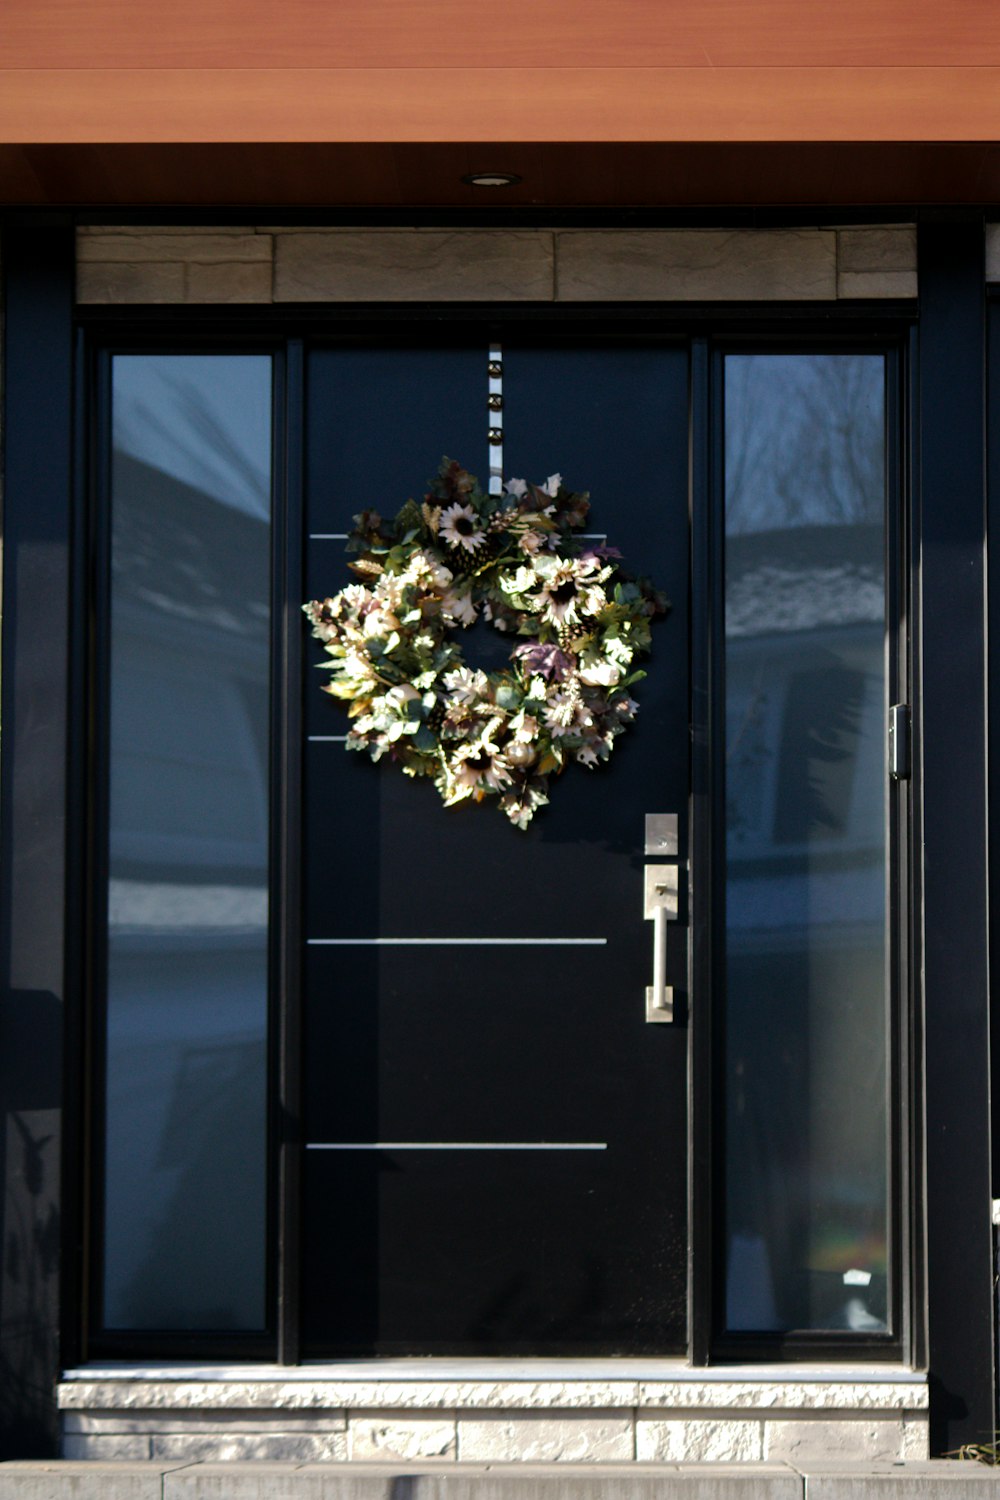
185, 555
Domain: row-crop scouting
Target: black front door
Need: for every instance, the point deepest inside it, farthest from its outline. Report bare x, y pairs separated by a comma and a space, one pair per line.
495, 1135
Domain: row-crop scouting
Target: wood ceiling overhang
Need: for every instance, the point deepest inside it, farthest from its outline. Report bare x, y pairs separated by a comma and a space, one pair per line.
662, 103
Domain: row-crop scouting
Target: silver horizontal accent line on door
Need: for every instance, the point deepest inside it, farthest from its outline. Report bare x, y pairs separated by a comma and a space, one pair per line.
328, 536
457, 1146
327, 739
458, 942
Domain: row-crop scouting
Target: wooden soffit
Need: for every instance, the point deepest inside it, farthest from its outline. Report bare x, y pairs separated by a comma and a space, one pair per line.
390, 101
140, 71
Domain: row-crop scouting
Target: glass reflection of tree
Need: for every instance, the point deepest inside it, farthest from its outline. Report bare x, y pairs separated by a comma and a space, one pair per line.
804, 442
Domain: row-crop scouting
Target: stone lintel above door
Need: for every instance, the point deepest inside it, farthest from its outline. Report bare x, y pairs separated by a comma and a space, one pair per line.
130, 264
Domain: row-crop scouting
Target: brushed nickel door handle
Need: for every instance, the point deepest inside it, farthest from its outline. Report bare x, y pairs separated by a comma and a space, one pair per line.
660, 896
660, 906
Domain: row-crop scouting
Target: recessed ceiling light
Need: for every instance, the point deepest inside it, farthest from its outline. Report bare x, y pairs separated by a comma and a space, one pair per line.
491, 179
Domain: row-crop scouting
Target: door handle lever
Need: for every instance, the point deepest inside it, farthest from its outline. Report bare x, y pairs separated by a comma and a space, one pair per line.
660, 906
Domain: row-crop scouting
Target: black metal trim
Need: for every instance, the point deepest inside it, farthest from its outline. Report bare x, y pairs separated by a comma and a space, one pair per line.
646, 320
37, 826
703, 626
952, 713
77, 1147
915, 1076
288, 747
93, 907
899, 1174
512, 216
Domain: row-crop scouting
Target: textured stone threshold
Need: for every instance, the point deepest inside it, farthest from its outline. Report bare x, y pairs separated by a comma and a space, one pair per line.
68, 1480
482, 1412
493, 1384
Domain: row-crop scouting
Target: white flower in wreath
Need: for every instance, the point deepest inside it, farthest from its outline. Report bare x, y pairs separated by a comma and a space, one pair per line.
531, 542
428, 571
467, 686
460, 528
398, 697
380, 623
388, 591
565, 714
596, 672
458, 608
480, 763
568, 592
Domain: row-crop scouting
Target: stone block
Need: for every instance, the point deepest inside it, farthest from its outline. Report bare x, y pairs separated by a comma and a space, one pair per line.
503, 1482
202, 1421
228, 282
935, 1479
574, 1482
129, 281
877, 248
862, 1438
413, 266
115, 1445
195, 1395
89, 231
880, 284
742, 1481
225, 1447
164, 245
243, 1481
400, 1437
541, 1437
491, 1395
59, 1480
685, 265
786, 1395
723, 1439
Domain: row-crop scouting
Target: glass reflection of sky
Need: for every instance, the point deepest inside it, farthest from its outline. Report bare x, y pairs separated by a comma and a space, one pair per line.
202, 419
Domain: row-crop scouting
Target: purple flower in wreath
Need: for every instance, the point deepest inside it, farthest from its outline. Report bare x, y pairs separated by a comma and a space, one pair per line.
544, 661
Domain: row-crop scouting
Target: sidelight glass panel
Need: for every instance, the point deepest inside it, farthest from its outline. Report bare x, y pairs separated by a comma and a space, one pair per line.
184, 1223
806, 786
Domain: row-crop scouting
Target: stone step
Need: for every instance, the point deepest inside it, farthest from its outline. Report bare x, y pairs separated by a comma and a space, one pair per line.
68, 1479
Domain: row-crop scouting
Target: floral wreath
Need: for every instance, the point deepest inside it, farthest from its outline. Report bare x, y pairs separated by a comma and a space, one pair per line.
512, 559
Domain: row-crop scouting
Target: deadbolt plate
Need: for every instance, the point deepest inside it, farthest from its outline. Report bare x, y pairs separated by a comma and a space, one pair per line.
661, 835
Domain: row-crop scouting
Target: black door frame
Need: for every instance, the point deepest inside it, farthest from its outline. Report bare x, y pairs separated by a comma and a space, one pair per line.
45, 718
